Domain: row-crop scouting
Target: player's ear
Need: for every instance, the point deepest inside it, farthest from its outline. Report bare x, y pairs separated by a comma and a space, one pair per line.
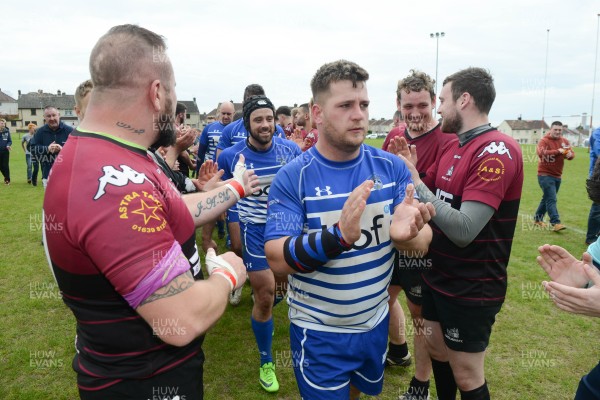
317, 114
154, 95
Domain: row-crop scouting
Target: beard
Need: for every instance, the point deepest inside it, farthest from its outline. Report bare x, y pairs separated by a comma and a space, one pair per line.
452, 123
342, 140
263, 141
166, 127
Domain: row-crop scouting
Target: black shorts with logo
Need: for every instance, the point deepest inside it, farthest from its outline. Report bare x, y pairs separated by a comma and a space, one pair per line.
465, 328
407, 274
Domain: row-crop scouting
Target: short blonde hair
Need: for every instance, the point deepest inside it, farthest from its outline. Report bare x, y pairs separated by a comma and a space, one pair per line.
82, 90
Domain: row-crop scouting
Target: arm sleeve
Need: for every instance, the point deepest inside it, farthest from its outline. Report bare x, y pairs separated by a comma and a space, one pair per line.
460, 226
224, 162
285, 213
37, 147
225, 139
544, 150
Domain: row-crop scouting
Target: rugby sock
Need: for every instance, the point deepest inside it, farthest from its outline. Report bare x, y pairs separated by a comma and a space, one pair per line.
221, 227
419, 388
444, 380
398, 350
481, 393
263, 333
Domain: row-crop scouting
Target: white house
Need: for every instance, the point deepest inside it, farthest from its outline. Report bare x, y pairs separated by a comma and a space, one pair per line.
8, 106
524, 131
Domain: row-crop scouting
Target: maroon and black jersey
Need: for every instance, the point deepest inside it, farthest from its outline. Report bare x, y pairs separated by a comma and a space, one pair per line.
119, 230
429, 145
487, 169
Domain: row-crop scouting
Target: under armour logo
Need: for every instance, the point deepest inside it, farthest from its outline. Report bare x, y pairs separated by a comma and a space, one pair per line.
494, 148
250, 166
320, 192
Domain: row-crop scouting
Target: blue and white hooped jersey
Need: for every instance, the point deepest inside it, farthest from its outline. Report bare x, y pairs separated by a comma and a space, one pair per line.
236, 132
253, 209
210, 137
349, 293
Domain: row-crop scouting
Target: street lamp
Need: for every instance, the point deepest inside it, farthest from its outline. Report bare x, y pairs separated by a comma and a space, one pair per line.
437, 37
545, 78
595, 66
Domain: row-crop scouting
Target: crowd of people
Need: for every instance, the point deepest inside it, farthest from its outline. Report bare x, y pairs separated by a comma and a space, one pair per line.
308, 208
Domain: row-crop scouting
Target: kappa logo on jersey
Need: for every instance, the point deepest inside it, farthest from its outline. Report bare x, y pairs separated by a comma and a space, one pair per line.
118, 178
323, 192
450, 171
494, 148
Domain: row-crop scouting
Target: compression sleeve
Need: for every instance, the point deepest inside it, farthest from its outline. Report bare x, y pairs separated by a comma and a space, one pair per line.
460, 226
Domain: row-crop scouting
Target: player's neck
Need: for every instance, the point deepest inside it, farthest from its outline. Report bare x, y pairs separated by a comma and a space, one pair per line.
334, 153
124, 124
473, 122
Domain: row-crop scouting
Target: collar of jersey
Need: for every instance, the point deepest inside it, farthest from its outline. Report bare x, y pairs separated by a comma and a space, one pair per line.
338, 164
114, 138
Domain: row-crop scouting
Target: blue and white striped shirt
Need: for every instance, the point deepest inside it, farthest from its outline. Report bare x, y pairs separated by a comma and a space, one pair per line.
253, 209
349, 293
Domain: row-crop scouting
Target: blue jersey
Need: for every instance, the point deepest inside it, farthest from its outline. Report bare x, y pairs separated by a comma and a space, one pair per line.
253, 209
349, 293
209, 138
236, 132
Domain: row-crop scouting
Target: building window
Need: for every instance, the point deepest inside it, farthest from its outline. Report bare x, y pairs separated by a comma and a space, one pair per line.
13, 123
33, 111
187, 116
68, 113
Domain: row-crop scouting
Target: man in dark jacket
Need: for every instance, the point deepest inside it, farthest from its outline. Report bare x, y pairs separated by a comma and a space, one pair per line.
49, 140
5, 143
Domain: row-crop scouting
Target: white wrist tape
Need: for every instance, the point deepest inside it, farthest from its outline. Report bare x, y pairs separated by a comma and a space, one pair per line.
217, 265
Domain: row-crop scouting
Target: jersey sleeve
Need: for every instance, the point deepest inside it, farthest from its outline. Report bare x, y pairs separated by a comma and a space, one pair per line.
204, 136
491, 175
403, 179
131, 242
224, 162
285, 212
225, 139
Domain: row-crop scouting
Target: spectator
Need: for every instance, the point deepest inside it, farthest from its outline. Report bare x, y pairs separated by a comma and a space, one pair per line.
552, 150
5, 146
49, 140
25, 144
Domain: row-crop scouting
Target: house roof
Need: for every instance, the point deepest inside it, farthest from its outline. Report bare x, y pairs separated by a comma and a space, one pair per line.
4, 98
191, 106
526, 125
41, 100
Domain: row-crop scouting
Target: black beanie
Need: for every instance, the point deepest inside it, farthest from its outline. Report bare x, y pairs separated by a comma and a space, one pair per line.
254, 103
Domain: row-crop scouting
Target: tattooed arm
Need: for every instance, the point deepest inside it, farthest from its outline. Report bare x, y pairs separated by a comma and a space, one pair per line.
207, 206
191, 306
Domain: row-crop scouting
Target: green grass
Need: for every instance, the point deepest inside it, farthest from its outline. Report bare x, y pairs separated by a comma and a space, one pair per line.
536, 350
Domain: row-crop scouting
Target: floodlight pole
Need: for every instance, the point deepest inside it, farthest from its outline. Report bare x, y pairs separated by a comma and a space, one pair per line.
437, 37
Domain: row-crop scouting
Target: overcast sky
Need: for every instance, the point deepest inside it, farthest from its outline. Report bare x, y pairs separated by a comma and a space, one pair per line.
218, 47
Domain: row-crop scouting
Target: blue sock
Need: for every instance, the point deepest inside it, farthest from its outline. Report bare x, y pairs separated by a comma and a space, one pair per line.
263, 333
